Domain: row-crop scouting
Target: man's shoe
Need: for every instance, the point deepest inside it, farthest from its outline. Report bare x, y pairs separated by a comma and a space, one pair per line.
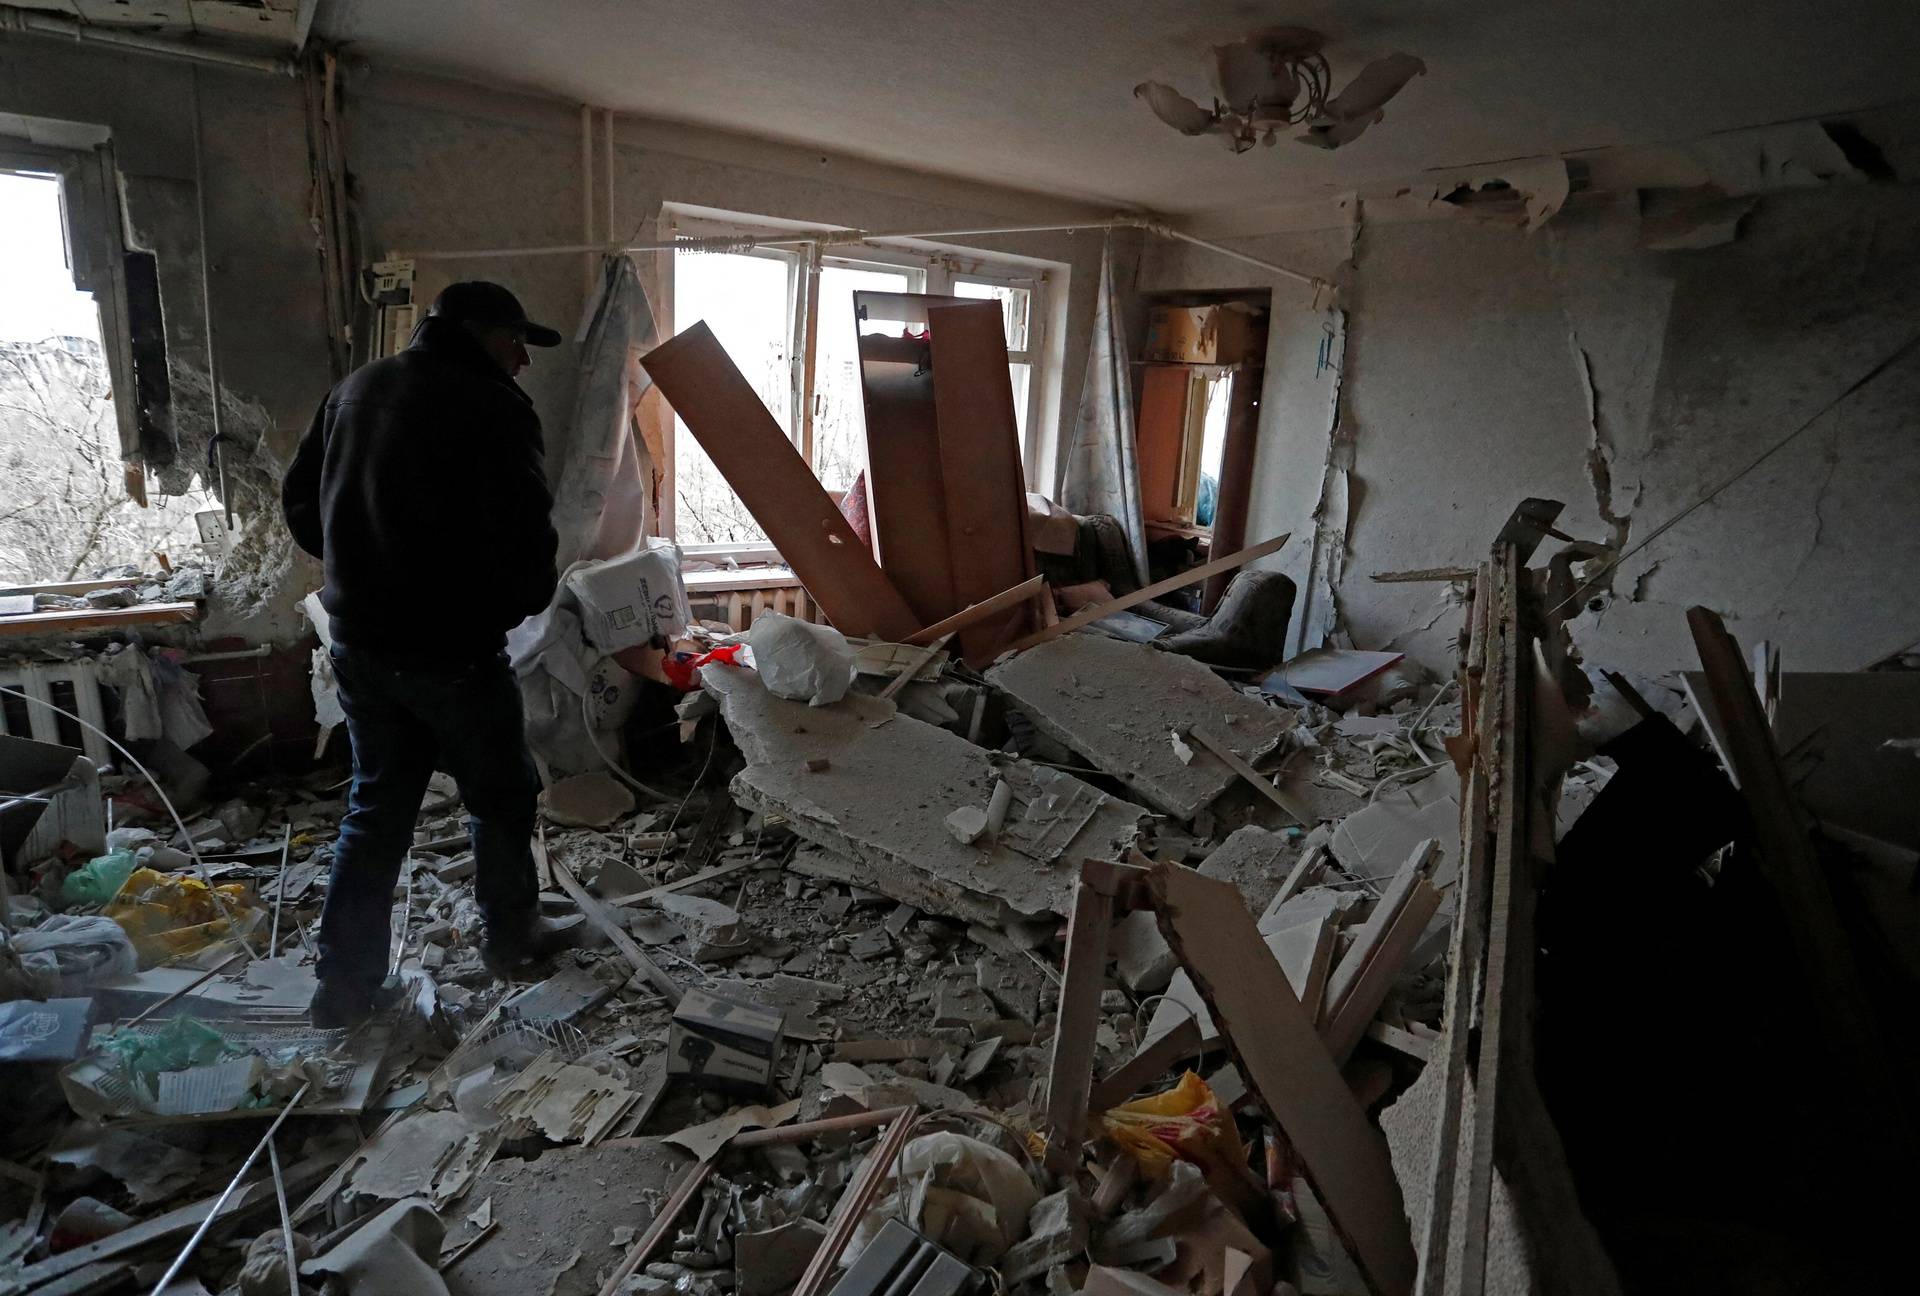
535, 943
339, 1005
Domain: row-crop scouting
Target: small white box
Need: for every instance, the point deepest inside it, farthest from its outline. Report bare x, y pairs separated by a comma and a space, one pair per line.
628, 600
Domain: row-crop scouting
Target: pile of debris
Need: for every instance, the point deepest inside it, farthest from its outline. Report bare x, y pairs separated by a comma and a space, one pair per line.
1082, 957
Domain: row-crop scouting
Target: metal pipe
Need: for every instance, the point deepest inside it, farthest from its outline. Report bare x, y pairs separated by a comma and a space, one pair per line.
214, 1214
586, 196
206, 297
828, 238
42, 24
606, 144
1167, 231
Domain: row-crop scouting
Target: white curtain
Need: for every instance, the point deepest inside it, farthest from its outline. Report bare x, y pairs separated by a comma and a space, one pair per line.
1102, 463
602, 508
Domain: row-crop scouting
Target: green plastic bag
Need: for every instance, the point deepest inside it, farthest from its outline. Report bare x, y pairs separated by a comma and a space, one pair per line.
180, 1044
100, 880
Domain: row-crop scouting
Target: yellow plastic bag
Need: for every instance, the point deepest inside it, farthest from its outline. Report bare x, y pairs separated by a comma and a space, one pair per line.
1186, 1122
167, 915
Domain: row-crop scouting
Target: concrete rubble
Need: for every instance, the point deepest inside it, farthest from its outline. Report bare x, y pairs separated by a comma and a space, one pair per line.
835, 979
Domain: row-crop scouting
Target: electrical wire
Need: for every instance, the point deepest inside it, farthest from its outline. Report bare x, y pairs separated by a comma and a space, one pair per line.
593, 737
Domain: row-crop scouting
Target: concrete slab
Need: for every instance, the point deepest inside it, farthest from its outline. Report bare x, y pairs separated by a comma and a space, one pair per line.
879, 809
1119, 704
1255, 860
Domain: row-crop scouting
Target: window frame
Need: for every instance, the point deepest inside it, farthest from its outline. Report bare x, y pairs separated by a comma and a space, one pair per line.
936, 272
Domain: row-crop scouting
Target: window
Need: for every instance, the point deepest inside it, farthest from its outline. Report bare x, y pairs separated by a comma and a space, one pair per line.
755, 302
64, 508
839, 445
747, 301
1016, 309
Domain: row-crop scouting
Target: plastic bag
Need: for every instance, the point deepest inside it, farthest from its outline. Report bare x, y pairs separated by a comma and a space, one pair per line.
68, 955
1186, 1122
167, 915
799, 660
974, 1201
99, 880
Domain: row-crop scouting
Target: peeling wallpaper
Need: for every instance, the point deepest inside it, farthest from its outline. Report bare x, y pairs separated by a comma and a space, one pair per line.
1483, 364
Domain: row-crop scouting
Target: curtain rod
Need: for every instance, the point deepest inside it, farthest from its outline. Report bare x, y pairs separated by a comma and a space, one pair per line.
838, 238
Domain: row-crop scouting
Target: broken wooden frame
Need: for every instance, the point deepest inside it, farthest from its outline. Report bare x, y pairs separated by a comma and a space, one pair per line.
1490, 1106
1192, 576
1274, 1041
852, 1205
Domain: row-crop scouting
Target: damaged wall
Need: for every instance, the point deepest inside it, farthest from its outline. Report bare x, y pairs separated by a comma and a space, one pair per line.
434, 164
1484, 364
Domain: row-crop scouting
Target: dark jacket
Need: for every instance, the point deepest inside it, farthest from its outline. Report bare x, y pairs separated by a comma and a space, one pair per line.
422, 486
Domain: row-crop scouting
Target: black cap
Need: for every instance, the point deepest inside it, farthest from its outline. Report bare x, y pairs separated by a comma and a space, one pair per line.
488, 305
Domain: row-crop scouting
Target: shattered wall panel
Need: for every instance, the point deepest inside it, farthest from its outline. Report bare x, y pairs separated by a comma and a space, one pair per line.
1486, 365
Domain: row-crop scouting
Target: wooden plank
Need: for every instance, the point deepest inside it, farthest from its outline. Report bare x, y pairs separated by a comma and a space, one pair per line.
1309, 861
85, 619
597, 914
1374, 930
725, 415
1792, 872
67, 587
980, 469
914, 667
174, 1224
1465, 957
1301, 814
906, 502
1153, 1060
1499, 738
1368, 989
1034, 587
1193, 576
1070, 1075
691, 880
853, 1203
1279, 1053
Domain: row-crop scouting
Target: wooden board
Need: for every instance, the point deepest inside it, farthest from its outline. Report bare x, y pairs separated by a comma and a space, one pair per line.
906, 503
81, 620
1193, 576
614, 931
1070, 1076
980, 469
1793, 872
1032, 588
1286, 1067
773, 481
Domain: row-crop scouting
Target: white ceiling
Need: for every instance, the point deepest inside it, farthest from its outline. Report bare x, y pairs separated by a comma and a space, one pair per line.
1037, 93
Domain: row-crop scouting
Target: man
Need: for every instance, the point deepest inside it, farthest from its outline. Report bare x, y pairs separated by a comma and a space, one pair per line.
422, 486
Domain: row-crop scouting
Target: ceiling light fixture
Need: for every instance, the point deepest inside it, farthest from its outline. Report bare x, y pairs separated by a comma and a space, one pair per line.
1277, 78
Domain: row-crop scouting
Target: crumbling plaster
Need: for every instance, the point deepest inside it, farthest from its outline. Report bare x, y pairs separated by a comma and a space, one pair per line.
434, 164
1484, 364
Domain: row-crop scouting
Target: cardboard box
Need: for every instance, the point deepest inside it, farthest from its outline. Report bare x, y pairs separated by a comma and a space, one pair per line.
722, 1044
626, 601
1226, 334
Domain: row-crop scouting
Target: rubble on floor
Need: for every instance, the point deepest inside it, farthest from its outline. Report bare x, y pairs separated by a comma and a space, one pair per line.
1097, 970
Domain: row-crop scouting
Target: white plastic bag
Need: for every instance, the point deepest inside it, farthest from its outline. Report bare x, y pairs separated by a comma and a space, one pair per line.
799, 660
974, 1203
68, 955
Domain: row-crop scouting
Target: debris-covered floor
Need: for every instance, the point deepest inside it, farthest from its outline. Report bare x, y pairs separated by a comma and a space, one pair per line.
852, 967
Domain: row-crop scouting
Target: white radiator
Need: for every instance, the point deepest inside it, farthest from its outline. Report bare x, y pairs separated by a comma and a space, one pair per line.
36, 680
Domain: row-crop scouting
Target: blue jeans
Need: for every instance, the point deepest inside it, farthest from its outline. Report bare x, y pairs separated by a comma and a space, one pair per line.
408, 718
